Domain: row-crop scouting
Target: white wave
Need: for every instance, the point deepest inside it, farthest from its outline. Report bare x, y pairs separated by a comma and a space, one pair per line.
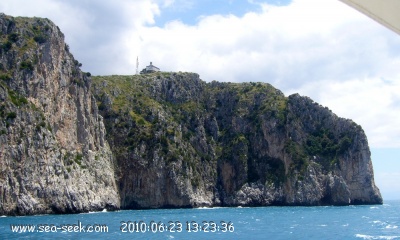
391, 226
208, 208
92, 212
3, 216
377, 222
205, 208
363, 236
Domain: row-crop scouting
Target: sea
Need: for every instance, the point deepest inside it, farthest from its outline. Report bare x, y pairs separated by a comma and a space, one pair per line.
327, 222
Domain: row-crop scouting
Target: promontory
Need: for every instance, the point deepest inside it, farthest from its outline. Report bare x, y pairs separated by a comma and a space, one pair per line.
71, 142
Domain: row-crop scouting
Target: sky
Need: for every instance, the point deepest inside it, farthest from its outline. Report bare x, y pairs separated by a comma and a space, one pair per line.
321, 49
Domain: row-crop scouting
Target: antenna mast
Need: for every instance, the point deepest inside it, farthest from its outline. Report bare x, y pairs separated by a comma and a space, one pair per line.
137, 65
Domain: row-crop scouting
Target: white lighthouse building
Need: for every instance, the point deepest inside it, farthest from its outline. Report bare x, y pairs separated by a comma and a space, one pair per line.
150, 69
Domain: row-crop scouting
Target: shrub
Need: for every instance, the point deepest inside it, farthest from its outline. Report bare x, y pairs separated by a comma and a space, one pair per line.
141, 122
40, 125
6, 46
40, 39
78, 159
77, 63
11, 115
26, 65
5, 77
13, 37
17, 100
2, 111
324, 143
78, 81
23, 100
345, 144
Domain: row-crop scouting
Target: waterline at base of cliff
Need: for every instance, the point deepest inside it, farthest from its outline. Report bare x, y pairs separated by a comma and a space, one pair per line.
346, 222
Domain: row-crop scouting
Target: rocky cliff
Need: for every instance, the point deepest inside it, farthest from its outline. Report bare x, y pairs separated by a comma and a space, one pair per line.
53, 154
71, 143
181, 142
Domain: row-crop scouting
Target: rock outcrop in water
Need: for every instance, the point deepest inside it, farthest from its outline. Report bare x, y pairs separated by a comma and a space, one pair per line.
68, 145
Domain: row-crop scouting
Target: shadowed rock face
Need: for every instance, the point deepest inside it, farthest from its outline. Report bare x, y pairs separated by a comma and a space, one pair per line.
53, 154
70, 145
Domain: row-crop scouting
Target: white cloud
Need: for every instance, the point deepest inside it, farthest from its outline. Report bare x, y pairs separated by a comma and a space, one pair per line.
97, 31
287, 46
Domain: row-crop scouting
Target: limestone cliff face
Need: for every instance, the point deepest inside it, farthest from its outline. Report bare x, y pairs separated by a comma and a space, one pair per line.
182, 142
340, 167
53, 154
161, 139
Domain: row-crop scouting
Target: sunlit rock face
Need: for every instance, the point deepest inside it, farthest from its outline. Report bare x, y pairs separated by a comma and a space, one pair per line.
53, 154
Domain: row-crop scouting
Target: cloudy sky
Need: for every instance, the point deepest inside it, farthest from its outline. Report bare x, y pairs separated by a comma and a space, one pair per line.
319, 48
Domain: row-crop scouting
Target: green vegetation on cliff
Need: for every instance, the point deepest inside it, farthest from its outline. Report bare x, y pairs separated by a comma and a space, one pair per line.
215, 137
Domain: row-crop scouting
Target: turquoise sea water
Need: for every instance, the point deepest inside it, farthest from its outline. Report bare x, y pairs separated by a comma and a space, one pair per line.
351, 222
